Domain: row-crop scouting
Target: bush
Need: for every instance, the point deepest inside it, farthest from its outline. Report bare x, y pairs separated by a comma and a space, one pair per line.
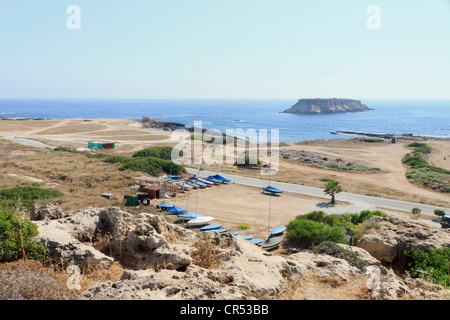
332, 249
415, 161
244, 226
420, 147
29, 280
416, 210
205, 254
164, 153
308, 233
153, 166
246, 160
432, 265
16, 239
446, 189
439, 213
28, 193
371, 140
27, 196
357, 218
118, 159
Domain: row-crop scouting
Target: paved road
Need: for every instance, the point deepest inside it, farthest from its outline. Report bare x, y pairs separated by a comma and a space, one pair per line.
355, 199
27, 142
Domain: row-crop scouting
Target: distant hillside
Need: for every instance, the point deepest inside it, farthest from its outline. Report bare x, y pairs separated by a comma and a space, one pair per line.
327, 106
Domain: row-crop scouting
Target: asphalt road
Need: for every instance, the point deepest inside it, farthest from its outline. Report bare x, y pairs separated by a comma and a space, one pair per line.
356, 199
27, 142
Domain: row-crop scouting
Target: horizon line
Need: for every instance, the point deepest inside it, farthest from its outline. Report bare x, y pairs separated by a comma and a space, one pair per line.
167, 98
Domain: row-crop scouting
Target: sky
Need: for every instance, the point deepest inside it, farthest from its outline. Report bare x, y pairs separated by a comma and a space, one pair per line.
268, 49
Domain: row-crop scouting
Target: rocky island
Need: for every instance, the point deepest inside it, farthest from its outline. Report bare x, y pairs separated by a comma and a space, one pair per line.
327, 106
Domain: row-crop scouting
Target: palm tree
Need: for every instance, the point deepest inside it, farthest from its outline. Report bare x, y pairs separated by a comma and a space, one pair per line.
331, 189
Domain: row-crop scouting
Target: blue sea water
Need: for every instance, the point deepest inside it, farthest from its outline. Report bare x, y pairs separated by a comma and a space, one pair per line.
417, 117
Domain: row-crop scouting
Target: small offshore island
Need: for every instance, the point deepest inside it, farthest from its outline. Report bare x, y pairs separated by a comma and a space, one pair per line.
327, 106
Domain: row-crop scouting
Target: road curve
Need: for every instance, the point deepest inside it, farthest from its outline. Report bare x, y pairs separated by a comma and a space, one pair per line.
375, 202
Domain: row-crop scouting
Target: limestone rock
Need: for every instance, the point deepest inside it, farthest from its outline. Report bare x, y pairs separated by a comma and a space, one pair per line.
324, 106
48, 211
399, 235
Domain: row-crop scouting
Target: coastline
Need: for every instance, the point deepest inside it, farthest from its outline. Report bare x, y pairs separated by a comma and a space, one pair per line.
168, 126
129, 136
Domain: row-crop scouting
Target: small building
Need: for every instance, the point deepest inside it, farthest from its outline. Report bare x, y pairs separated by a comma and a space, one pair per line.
101, 145
395, 140
154, 191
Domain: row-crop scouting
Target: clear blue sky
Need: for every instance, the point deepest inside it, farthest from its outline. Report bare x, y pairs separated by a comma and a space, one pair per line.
225, 49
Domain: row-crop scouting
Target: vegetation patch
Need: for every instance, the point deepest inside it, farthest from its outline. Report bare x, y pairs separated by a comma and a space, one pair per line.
16, 239
205, 254
371, 140
247, 160
29, 280
153, 166
311, 229
25, 197
332, 249
351, 167
155, 152
422, 172
153, 161
432, 265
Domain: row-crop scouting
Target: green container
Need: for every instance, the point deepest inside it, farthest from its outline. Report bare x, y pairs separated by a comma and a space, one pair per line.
131, 201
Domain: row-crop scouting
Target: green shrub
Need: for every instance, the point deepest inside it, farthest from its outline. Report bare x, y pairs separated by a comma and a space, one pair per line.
247, 160
244, 226
357, 218
118, 159
16, 239
416, 210
439, 212
446, 189
420, 147
341, 220
308, 233
26, 195
371, 140
153, 166
415, 161
332, 249
432, 265
164, 153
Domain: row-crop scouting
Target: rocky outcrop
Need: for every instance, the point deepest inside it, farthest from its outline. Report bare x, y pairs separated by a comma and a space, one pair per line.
46, 212
160, 261
327, 106
396, 236
161, 124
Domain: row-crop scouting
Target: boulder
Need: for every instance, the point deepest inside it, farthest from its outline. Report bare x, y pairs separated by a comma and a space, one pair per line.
397, 236
63, 246
46, 212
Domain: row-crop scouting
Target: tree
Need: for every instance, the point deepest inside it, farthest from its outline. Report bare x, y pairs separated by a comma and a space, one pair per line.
332, 187
439, 213
16, 239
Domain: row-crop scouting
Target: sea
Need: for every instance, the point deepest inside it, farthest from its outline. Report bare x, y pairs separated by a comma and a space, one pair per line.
416, 117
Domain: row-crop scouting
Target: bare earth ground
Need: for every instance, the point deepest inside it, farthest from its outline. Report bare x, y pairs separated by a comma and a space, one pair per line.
83, 179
